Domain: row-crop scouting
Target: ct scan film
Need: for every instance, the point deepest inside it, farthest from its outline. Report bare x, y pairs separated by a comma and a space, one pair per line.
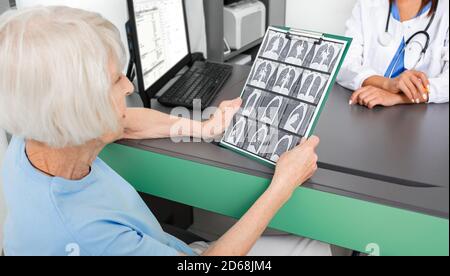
284, 93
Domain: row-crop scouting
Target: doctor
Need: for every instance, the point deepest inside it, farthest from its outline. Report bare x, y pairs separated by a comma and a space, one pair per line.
399, 53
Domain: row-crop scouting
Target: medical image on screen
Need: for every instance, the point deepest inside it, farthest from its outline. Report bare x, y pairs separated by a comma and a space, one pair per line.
161, 34
283, 93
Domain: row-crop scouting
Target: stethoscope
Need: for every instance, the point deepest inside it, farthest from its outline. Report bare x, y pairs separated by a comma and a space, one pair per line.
386, 39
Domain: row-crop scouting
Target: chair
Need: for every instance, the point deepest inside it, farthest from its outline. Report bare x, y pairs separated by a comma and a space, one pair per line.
183, 235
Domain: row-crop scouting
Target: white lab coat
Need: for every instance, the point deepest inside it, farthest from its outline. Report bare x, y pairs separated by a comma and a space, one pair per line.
367, 57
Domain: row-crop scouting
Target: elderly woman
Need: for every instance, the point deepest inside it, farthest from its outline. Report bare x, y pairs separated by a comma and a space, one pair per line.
62, 96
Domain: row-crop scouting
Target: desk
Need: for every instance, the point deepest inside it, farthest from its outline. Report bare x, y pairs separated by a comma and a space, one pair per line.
382, 181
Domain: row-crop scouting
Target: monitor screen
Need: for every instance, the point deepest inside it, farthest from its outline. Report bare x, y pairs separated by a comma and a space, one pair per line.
161, 37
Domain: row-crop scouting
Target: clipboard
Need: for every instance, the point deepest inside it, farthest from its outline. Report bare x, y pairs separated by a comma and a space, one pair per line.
285, 93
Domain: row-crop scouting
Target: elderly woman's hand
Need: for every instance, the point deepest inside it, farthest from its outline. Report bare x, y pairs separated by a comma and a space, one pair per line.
221, 119
295, 167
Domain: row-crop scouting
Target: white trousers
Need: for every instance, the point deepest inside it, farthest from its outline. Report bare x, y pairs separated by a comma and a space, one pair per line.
279, 245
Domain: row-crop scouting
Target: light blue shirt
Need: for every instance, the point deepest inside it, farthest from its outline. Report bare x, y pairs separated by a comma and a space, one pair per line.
101, 214
397, 65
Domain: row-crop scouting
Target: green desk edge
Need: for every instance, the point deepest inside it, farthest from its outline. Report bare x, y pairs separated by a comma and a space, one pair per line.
338, 220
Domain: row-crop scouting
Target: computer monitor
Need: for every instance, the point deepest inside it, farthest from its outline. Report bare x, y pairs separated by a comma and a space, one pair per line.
159, 42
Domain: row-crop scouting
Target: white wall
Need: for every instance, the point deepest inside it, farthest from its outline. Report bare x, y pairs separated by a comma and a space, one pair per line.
196, 24
327, 16
113, 10
117, 12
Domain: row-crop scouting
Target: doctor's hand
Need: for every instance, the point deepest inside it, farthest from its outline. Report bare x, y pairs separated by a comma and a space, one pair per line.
414, 84
295, 167
221, 119
371, 97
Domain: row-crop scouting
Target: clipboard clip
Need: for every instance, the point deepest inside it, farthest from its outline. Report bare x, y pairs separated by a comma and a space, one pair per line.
314, 35
319, 42
288, 36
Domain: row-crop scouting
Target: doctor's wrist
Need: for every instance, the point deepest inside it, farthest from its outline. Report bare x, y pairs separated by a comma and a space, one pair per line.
381, 82
391, 85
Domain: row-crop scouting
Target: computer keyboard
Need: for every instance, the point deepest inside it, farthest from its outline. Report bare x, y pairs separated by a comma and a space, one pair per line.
202, 82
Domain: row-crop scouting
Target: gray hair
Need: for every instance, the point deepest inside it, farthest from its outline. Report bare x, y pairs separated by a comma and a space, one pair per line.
54, 79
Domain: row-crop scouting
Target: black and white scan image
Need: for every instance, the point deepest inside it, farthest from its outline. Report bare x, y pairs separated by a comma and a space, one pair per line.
258, 141
297, 117
311, 87
262, 73
273, 79
272, 109
310, 56
326, 56
251, 99
235, 135
287, 75
276, 47
298, 51
281, 143
287, 83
